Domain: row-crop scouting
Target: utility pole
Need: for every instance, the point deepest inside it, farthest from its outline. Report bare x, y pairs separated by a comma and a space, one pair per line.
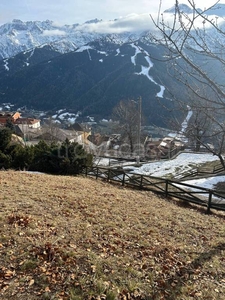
139, 130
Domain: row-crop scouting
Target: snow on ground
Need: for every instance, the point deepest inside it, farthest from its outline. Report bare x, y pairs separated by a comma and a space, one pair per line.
70, 117
182, 163
208, 183
185, 122
137, 50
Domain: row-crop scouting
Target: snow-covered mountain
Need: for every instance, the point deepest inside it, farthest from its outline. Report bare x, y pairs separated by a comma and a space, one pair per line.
92, 79
182, 7
217, 10
19, 36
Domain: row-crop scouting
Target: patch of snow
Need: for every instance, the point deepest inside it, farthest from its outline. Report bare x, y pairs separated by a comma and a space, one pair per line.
89, 54
102, 161
161, 93
6, 65
183, 162
208, 183
102, 52
92, 119
72, 120
33, 172
63, 116
60, 111
180, 135
117, 51
145, 70
137, 50
185, 122
83, 48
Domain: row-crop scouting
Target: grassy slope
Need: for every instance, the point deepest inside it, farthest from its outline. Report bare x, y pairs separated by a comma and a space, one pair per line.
77, 238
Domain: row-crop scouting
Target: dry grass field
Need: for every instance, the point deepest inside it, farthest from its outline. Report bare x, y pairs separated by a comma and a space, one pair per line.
77, 238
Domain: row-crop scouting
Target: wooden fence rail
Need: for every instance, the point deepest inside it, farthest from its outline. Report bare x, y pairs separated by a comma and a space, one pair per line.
198, 172
169, 188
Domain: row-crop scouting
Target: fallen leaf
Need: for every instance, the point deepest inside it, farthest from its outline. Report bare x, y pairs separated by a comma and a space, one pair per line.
31, 282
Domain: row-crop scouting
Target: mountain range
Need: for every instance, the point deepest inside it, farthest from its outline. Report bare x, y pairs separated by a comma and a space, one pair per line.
49, 67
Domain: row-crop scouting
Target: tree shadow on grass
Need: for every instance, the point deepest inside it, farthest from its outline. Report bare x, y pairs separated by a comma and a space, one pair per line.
175, 283
198, 208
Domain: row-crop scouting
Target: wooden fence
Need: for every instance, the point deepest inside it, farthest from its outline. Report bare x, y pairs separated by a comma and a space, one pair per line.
211, 199
200, 172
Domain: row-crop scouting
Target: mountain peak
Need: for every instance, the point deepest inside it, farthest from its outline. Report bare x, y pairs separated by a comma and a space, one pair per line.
93, 21
218, 10
184, 8
17, 21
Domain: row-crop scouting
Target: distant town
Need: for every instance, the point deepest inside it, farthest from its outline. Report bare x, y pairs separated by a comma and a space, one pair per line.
101, 139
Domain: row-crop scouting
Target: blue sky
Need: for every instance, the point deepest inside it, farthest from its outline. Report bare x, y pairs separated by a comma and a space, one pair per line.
79, 11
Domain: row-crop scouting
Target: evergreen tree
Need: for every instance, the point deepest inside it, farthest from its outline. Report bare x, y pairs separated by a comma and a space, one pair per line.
10, 125
5, 138
68, 158
22, 157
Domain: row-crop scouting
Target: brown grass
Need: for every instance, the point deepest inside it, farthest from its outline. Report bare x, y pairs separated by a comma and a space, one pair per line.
76, 238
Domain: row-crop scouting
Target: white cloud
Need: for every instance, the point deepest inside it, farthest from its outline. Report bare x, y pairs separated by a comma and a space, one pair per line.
71, 12
53, 32
138, 22
132, 22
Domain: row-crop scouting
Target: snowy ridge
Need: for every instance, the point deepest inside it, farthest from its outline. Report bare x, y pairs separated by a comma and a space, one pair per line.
19, 36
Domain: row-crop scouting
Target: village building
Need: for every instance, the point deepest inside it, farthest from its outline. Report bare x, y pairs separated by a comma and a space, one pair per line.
83, 133
29, 123
26, 128
7, 116
162, 148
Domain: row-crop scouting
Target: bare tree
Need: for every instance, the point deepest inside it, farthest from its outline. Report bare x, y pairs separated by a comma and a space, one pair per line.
191, 42
127, 113
50, 131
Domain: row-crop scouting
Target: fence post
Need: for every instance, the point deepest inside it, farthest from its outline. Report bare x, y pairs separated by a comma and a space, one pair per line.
97, 173
109, 174
123, 182
166, 189
141, 182
209, 202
